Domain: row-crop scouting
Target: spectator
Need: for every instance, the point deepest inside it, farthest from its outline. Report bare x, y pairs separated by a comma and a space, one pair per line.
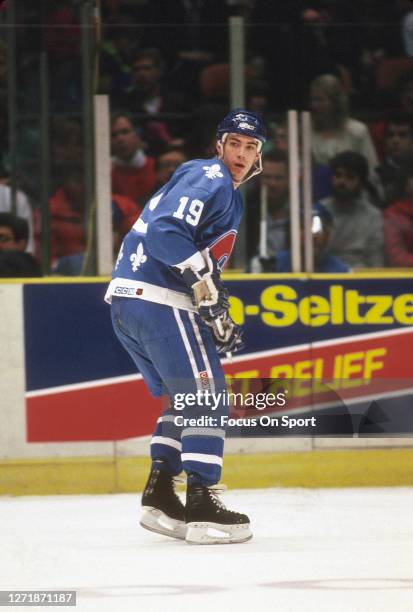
180, 28
133, 172
333, 130
66, 209
357, 235
400, 103
66, 148
258, 96
275, 177
398, 151
124, 215
320, 179
145, 93
14, 261
149, 95
324, 261
23, 210
166, 164
286, 30
398, 227
406, 10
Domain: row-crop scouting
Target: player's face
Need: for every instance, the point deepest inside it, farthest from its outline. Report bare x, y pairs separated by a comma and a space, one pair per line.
239, 155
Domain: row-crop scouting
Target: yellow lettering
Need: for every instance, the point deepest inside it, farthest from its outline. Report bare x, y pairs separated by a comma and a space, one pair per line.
375, 314
353, 301
282, 371
403, 309
247, 374
281, 308
336, 301
236, 310
318, 368
302, 369
283, 312
338, 367
302, 387
352, 364
370, 364
321, 386
314, 310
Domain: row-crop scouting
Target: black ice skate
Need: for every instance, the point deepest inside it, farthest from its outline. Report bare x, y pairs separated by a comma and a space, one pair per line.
209, 522
162, 510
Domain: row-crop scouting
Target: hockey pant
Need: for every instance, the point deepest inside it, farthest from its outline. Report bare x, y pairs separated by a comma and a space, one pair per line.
174, 351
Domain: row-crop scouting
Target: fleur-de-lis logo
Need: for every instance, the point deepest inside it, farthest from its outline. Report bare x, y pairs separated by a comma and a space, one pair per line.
138, 258
120, 257
213, 171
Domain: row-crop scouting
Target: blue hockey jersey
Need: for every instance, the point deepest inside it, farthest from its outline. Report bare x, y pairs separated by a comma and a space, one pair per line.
197, 208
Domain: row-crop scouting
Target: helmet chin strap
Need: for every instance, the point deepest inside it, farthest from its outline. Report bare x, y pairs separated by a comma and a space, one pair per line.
256, 168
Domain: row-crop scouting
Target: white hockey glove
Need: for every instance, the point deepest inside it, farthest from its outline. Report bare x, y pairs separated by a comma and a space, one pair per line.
208, 293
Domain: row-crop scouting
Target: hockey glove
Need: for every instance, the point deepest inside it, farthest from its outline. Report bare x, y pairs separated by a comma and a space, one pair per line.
207, 291
227, 335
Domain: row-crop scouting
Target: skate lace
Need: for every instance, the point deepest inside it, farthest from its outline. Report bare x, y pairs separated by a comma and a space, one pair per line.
215, 491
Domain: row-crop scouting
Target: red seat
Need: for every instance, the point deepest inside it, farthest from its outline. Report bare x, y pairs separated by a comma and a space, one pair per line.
215, 80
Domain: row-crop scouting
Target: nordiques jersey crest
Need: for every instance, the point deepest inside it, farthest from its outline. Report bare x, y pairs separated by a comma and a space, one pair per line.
221, 249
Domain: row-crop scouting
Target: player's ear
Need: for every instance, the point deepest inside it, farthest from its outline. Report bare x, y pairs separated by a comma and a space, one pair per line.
219, 149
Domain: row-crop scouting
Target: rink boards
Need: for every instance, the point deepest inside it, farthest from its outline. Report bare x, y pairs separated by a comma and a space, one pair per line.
69, 390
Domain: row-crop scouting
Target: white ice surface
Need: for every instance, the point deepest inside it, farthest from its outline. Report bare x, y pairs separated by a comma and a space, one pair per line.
313, 550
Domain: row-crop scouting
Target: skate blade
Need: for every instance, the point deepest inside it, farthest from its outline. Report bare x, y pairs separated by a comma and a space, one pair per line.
214, 533
157, 521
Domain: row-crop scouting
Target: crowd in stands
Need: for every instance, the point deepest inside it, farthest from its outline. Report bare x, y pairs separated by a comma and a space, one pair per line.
165, 69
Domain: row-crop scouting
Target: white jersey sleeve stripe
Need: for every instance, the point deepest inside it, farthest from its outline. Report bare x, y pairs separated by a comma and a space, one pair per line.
196, 262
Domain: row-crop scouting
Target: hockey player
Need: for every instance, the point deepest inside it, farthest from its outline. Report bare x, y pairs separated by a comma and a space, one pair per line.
170, 311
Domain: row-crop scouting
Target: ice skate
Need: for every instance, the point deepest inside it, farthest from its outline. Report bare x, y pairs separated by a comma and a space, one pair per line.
162, 510
209, 522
